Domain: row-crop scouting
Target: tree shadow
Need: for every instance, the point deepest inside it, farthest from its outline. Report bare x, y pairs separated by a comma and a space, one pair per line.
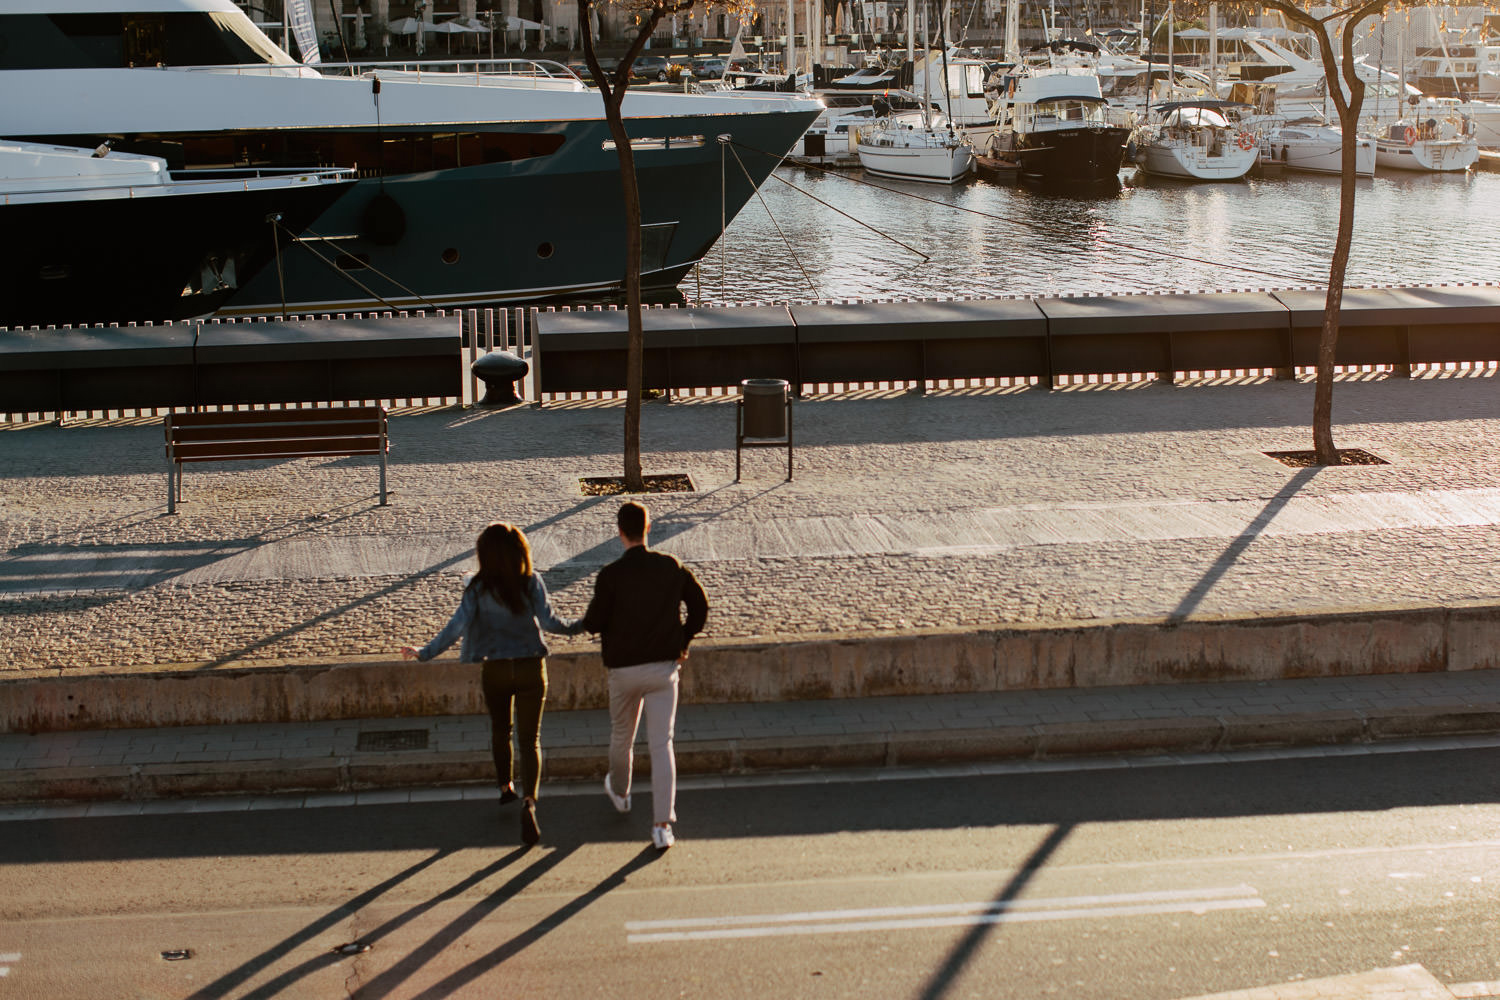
381, 592
1231, 554
983, 928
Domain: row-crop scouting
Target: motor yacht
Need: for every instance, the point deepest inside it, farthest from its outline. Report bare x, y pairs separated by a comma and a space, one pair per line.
474, 188
98, 236
1054, 113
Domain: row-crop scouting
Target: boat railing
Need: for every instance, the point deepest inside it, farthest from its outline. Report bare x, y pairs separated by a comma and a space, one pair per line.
447, 68
541, 72
262, 173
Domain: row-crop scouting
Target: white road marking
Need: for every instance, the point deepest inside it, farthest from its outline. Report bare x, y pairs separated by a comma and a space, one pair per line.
8, 958
1197, 901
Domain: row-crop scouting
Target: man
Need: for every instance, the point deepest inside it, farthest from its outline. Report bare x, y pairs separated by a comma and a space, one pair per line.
636, 612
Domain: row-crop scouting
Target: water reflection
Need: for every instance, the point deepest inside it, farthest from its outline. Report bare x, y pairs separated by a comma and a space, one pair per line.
1149, 235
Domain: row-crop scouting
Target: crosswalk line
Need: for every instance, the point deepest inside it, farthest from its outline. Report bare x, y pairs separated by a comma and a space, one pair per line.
892, 918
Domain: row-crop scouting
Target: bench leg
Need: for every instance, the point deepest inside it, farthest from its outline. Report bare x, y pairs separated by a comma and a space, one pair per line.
173, 485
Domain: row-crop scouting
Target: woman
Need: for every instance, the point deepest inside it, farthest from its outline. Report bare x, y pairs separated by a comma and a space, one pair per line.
500, 618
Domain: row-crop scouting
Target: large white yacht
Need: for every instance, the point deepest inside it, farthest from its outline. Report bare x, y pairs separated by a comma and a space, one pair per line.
103, 237
474, 189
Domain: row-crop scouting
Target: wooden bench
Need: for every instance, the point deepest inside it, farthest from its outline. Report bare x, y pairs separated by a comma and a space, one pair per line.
297, 433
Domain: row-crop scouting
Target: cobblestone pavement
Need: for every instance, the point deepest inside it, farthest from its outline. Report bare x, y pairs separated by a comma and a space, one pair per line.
973, 507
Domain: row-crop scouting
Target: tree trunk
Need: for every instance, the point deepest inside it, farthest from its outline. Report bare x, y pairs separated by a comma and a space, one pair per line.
1324, 451
613, 92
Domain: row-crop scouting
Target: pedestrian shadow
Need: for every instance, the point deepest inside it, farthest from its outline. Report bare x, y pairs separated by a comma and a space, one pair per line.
1226, 560
275, 986
984, 923
238, 976
462, 977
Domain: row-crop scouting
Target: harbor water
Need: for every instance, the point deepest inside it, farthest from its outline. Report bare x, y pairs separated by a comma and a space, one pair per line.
840, 235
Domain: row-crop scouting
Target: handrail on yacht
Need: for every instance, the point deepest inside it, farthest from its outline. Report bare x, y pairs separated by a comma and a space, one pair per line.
445, 69
479, 67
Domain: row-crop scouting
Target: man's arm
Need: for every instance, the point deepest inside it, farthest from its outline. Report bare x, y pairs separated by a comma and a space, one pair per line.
697, 606
597, 615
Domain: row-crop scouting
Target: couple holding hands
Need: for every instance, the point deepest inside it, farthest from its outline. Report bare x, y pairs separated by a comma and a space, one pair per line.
635, 611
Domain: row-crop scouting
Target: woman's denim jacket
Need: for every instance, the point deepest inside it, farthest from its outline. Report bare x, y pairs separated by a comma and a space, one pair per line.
492, 631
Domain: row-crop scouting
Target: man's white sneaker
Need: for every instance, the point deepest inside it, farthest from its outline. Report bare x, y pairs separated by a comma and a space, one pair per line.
662, 837
621, 803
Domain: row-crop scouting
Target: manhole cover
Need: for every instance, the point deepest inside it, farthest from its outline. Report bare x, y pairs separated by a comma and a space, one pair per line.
392, 739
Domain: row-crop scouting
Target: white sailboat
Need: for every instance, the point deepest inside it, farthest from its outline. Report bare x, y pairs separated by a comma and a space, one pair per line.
1194, 140
1313, 145
1431, 145
931, 150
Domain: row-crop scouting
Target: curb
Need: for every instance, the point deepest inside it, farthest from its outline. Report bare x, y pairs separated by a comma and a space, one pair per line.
1354, 642
405, 769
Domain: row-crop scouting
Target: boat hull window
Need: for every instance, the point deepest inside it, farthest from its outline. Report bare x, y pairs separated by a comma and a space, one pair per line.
117, 41
656, 242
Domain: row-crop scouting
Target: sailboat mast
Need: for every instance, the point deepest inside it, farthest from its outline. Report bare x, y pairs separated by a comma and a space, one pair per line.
1012, 31
1213, 47
911, 27
1171, 38
926, 82
791, 36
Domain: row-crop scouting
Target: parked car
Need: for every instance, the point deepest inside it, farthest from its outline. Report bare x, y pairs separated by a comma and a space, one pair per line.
650, 68
708, 68
581, 69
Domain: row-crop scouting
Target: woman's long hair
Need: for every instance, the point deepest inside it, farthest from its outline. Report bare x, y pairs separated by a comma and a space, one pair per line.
504, 564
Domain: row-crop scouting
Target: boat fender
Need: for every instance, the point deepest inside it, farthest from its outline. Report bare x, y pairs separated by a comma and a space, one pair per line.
1246, 141
383, 221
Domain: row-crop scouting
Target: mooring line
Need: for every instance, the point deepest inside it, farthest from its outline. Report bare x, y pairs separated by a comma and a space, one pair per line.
1029, 224
761, 198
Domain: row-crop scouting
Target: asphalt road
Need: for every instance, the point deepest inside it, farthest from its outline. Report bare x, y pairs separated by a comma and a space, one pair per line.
1139, 883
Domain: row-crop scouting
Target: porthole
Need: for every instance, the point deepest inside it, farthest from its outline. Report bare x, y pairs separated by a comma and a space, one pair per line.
544, 251
450, 255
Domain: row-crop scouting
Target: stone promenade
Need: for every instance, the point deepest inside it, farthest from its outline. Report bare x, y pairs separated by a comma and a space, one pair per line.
956, 508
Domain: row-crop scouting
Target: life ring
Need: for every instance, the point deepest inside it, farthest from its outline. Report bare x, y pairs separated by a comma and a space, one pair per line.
1246, 141
1411, 136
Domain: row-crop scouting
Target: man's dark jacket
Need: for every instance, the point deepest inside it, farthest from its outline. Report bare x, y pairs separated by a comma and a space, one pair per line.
636, 604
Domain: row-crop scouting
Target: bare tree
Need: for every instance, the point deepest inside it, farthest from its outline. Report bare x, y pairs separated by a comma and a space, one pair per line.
1334, 29
648, 14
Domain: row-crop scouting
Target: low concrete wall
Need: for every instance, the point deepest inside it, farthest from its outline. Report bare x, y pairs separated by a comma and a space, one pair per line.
1346, 643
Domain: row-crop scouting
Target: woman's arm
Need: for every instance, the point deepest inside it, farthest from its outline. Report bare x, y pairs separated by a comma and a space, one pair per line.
541, 606
453, 630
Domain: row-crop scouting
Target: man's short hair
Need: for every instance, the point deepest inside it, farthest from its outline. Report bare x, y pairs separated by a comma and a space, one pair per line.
633, 520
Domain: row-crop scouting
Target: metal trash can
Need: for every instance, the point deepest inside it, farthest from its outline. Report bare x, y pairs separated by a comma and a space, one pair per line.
765, 407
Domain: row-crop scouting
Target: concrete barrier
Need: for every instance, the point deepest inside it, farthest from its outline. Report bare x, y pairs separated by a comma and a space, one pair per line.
1344, 643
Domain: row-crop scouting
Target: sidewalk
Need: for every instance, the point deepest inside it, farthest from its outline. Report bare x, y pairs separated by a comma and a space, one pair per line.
716, 740
959, 509
955, 509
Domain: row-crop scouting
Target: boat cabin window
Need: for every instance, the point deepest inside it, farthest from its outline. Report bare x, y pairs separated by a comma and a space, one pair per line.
117, 41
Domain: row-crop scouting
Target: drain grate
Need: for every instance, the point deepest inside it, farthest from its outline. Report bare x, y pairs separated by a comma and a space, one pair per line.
392, 739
